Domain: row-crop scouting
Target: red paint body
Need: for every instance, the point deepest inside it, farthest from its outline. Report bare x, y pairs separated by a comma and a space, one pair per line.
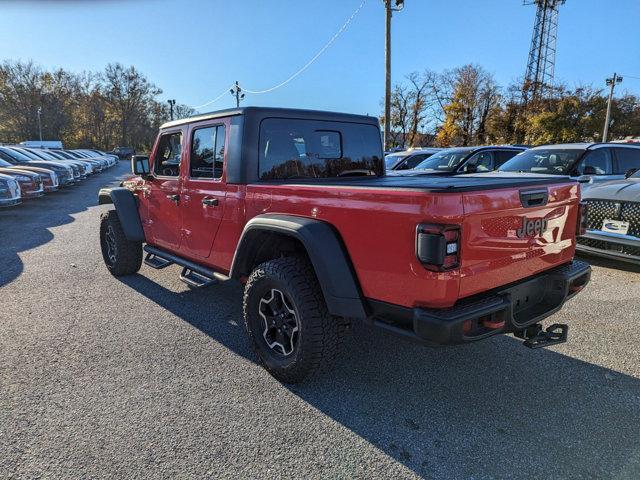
377, 226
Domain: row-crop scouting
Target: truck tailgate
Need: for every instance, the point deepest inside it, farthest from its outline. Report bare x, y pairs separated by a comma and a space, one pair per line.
513, 233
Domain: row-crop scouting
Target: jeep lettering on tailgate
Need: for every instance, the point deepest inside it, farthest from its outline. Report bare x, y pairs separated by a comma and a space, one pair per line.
532, 228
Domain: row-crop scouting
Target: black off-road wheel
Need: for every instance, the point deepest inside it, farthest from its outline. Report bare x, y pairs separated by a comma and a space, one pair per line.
287, 320
121, 256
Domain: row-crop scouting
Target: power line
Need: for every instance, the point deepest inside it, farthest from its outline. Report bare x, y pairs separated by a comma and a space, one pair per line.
314, 58
301, 70
215, 99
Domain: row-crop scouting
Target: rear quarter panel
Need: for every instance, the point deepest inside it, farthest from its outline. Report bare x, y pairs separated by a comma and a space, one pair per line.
378, 229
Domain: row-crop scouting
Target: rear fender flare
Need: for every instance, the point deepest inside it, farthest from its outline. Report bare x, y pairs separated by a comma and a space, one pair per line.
326, 251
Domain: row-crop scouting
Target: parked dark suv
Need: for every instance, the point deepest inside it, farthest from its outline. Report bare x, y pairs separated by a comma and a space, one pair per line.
123, 153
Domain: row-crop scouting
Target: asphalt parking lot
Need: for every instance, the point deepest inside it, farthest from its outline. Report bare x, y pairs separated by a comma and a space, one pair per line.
142, 377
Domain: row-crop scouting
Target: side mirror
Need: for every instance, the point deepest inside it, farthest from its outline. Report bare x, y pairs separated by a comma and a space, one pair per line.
584, 179
589, 170
140, 165
630, 172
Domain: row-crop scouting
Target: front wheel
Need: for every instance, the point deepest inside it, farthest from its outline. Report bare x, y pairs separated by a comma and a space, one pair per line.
287, 319
121, 256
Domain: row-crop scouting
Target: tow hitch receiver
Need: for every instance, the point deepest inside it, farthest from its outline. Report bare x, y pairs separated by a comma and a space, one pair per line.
535, 337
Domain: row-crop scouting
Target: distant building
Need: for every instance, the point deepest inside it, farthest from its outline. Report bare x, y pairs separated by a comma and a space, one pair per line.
42, 143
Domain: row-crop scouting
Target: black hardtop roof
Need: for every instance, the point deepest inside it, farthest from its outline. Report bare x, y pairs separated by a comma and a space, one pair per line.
263, 112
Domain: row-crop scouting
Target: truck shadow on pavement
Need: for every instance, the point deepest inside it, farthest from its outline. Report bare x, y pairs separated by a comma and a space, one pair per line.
53, 210
493, 409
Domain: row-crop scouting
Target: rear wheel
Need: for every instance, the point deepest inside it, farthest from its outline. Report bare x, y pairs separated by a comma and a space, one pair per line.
287, 319
121, 256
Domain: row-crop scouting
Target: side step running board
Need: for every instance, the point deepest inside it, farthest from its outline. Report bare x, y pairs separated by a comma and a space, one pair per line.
156, 262
192, 274
195, 279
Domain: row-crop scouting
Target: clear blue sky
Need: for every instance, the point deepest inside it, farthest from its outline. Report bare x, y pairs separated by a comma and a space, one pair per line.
194, 49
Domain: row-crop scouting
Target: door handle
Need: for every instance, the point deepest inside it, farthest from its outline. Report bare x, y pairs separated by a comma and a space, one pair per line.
211, 202
174, 198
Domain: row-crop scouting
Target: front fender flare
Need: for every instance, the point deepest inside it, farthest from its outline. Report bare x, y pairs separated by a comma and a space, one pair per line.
326, 251
126, 205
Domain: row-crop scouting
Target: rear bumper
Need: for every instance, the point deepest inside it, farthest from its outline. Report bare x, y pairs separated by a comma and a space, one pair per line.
610, 245
503, 310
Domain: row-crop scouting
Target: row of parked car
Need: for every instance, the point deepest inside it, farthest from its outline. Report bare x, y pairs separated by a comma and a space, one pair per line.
608, 173
27, 172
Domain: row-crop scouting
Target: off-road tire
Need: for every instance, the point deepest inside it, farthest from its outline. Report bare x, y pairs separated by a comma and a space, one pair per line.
319, 333
127, 257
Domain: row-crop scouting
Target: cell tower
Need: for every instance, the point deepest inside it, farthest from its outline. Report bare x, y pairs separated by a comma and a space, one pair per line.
542, 56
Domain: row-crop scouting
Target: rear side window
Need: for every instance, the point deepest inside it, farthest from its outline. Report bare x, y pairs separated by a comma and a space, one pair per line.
291, 148
207, 152
626, 159
482, 160
599, 161
414, 160
502, 156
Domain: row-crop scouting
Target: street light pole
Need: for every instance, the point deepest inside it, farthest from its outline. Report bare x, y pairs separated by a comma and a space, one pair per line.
387, 84
387, 59
171, 105
40, 122
611, 82
236, 91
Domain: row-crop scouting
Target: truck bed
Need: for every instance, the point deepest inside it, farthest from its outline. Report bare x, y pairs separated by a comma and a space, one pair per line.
439, 184
377, 217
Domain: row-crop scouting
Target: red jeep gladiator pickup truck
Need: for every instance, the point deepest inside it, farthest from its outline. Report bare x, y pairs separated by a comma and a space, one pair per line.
295, 204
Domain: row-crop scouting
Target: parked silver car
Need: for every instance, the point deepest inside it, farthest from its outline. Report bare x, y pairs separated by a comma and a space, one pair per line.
589, 163
613, 219
9, 191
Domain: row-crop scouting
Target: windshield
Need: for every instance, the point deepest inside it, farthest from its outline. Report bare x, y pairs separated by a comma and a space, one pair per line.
4, 163
30, 154
45, 155
391, 160
446, 161
55, 155
555, 161
17, 156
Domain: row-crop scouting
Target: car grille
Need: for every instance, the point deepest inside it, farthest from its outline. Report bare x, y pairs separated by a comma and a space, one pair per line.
599, 210
610, 247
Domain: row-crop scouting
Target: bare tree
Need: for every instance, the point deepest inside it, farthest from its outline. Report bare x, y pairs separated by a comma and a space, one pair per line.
474, 96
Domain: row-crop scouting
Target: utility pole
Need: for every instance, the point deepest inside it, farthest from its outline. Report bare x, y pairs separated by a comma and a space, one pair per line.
171, 105
611, 82
236, 91
399, 5
40, 122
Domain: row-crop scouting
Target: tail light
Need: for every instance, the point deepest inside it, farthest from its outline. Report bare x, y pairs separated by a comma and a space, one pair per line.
438, 246
583, 212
